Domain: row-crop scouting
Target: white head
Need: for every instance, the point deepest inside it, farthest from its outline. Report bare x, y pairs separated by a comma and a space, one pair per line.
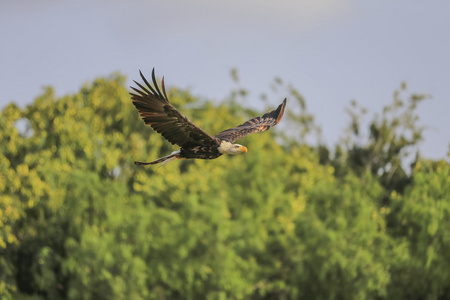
233, 149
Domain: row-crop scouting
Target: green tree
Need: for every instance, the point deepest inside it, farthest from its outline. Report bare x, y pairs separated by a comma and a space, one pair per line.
78, 220
423, 216
392, 138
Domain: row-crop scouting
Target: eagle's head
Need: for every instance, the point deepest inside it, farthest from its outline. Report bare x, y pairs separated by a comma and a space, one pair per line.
233, 149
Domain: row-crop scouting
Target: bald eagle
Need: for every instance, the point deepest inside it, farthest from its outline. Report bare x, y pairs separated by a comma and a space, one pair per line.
155, 109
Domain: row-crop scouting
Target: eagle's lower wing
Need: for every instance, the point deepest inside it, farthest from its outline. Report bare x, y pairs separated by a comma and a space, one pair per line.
254, 125
155, 109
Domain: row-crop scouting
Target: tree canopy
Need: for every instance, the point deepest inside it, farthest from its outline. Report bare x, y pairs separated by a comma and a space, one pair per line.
290, 220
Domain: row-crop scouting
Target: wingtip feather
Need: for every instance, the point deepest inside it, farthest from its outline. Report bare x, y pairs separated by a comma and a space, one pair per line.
155, 84
164, 88
281, 113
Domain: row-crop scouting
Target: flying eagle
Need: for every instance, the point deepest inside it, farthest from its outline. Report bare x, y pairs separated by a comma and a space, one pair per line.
155, 109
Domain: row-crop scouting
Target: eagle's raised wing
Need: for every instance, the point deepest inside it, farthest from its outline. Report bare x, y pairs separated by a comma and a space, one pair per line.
155, 109
254, 125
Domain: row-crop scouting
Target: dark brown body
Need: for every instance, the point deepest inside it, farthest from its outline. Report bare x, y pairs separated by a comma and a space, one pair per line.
200, 151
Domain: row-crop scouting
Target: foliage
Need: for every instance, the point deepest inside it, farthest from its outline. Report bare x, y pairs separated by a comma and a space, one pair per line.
392, 138
423, 216
78, 220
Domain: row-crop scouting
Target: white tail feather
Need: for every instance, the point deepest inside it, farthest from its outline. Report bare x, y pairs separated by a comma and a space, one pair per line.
168, 161
162, 161
170, 158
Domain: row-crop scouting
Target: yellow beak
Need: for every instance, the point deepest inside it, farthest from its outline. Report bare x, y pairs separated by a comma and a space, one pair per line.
243, 149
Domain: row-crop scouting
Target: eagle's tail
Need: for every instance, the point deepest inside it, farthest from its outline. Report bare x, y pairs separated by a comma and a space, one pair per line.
163, 160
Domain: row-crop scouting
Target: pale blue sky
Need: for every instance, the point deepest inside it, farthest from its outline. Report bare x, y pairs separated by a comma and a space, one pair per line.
331, 51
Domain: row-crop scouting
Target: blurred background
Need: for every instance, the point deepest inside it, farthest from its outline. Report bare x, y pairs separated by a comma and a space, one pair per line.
347, 198
331, 51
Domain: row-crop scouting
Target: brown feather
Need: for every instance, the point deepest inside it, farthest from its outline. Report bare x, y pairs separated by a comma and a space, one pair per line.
155, 109
254, 125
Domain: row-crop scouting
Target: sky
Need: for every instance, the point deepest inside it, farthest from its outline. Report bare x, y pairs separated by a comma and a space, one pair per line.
332, 51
